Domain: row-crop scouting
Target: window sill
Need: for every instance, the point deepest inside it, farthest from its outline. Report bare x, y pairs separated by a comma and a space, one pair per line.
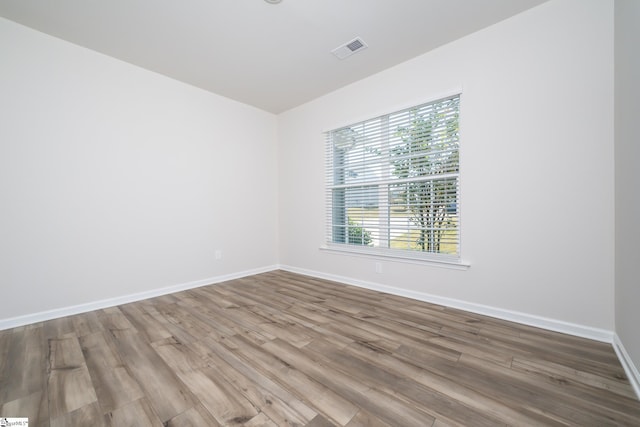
450, 263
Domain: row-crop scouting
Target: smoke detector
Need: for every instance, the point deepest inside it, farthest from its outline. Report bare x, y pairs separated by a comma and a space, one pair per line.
273, 1
349, 48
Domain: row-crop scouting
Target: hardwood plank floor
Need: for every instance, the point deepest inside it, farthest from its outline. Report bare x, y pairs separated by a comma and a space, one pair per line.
281, 349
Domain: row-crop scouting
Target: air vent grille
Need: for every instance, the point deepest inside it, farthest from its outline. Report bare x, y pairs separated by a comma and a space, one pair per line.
355, 45
349, 48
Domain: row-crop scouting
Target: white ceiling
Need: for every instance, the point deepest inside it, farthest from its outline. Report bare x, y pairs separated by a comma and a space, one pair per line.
274, 57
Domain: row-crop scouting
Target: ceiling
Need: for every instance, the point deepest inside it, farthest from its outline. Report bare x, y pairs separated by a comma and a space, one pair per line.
274, 57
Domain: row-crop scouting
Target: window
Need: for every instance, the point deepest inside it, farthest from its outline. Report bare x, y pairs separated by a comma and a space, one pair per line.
393, 183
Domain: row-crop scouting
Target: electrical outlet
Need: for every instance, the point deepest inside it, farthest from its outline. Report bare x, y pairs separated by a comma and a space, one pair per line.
218, 254
378, 267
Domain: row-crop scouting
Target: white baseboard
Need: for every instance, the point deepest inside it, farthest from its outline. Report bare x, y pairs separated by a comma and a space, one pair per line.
513, 316
629, 367
42, 316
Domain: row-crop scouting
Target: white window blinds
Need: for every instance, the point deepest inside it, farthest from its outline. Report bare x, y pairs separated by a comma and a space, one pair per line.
392, 181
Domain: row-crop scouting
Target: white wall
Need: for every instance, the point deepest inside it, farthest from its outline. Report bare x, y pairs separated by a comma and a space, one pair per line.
537, 165
115, 180
627, 196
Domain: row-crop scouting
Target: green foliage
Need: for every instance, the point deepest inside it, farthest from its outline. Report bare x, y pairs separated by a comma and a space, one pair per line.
358, 235
429, 148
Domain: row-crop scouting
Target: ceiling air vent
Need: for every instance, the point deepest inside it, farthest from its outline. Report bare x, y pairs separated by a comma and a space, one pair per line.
349, 48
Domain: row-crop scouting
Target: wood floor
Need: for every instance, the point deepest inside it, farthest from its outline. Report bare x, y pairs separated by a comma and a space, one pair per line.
282, 349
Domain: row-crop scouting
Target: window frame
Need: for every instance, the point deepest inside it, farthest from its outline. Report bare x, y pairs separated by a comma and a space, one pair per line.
397, 254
